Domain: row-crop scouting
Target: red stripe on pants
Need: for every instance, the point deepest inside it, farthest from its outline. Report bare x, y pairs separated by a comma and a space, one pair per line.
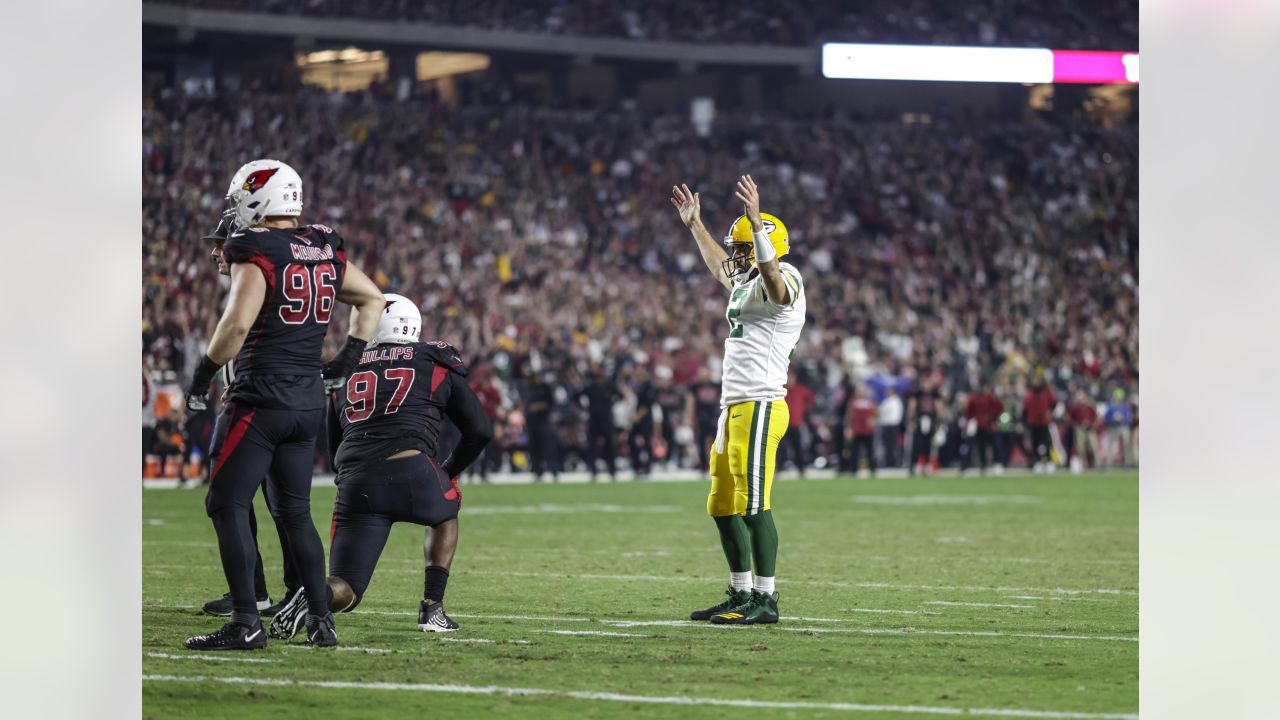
228, 446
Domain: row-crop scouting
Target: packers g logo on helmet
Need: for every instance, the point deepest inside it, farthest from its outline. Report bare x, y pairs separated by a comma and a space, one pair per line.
742, 247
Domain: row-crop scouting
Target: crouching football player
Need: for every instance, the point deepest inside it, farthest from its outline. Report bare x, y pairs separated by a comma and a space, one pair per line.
388, 416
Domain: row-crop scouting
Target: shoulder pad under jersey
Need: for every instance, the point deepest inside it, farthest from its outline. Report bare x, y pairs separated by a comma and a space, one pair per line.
445, 355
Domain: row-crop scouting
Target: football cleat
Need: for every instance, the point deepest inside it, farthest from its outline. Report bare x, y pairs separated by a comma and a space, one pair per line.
431, 618
291, 617
222, 606
761, 609
320, 631
272, 610
735, 598
232, 636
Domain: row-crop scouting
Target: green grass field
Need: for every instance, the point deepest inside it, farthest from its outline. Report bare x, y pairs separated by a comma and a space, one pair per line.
1004, 597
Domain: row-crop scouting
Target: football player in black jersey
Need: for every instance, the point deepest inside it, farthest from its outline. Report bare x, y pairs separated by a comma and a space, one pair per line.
385, 424
285, 279
222, 606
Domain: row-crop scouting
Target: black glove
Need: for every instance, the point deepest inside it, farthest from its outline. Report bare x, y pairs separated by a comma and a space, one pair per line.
198, 391
340, 366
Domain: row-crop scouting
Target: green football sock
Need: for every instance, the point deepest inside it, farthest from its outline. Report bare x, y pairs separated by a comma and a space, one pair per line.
764, 542
736, 542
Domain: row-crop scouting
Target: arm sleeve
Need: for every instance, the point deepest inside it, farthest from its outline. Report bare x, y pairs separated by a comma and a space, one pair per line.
467, 413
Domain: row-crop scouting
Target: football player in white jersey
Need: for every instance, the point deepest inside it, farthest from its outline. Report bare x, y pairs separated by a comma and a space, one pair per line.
766, 312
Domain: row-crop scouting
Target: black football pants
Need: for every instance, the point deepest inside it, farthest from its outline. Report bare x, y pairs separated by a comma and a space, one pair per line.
291, 580
410, 489
602, 433
1041, 444
259, 441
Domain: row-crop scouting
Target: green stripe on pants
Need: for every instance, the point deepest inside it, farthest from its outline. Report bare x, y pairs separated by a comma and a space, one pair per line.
763, 459
751, 450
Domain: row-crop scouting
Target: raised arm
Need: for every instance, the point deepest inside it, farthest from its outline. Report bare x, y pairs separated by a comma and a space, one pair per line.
775, 286
367, 304
689, 205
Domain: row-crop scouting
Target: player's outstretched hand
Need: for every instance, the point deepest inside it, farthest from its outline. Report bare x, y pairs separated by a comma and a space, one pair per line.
332, 384
688, 204
749, 194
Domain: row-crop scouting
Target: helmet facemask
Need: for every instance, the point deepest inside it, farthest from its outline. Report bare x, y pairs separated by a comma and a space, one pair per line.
742, 256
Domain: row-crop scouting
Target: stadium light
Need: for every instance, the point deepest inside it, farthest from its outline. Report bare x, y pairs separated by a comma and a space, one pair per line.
944, 63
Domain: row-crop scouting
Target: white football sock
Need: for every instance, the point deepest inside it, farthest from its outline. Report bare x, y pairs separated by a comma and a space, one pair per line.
764, 584
740, 581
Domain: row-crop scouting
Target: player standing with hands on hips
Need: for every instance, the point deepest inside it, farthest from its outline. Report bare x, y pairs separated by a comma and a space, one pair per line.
766, 313
284, 281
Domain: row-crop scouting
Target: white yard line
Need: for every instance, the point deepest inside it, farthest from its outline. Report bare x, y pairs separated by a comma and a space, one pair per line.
960, 633
604, 633
656, 700
1000, 590
463, 640
801, 581
975, 604
215, 658
689, 623
889, 612
346, 648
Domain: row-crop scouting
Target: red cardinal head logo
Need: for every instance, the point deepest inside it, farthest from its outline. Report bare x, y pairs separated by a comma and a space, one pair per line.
256, 179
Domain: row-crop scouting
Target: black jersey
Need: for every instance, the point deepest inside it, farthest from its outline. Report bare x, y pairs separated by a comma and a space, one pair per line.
397, 398
280, 362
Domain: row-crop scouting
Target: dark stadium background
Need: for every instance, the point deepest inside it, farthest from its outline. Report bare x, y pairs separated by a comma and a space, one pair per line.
508, 164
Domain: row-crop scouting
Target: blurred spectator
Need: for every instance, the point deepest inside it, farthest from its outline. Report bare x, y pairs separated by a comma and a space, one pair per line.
600, 395
482, 383
148, 415
1119, 421
799, 400
922, 414
1037, 413
1083, 415
668, 402
860, 430
544, 449
1009, 430
640, 439
168, 443
981, 413
703, 405
890, 422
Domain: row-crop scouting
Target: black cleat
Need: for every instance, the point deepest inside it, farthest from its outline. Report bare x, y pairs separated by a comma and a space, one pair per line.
736, 598
232, 636
290, 619
222, 606
320, 631
761, 609
431, 618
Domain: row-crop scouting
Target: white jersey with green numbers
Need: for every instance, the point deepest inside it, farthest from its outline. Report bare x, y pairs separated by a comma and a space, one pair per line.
762, 335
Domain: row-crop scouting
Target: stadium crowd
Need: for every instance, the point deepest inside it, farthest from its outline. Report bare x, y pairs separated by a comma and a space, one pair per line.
539, 241
1068, 24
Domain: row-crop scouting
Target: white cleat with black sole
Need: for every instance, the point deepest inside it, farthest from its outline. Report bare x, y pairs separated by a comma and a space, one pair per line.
291, 617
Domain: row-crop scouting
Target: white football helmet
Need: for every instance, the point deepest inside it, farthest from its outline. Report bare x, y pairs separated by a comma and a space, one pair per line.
400, 322
263, 188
